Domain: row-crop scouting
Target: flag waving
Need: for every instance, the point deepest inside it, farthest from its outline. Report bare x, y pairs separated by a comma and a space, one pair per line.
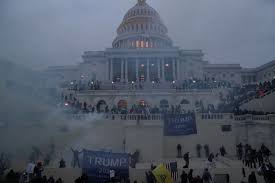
162, 174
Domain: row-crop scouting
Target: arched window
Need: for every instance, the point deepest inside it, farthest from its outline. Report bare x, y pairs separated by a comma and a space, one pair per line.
122, 104
142, 44
184, 101
137, 44
164, 104
147, 44
101, 105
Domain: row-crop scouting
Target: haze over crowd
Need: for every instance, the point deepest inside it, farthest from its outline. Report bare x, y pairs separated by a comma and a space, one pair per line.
40, 33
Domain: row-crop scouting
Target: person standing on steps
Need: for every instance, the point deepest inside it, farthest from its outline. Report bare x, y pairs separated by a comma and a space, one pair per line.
179, 153
186, 159
76, 154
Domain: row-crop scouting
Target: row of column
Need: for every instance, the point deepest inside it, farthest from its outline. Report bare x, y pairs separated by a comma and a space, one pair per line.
160, 69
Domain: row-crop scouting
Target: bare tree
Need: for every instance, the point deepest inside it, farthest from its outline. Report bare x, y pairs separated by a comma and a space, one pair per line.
4, 163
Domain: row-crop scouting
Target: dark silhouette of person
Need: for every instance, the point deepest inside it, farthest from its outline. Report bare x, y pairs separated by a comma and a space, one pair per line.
38, 169
211, 157
184, 177
190, 176
252, 178
134, 159
179, 151
243, 172
62, 163
206, 149
76, 157
186, 159
222, 151
240, 151
207, 178
198, 150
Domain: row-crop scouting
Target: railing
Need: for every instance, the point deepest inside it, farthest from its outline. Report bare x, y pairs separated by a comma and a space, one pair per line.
146, 91
135, 117
251, 117
257, 97
146, 117
137, 86
216, 116
121, 117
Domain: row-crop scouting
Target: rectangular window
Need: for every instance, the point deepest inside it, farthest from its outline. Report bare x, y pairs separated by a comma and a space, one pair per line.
137, 44
142, 44
147, 44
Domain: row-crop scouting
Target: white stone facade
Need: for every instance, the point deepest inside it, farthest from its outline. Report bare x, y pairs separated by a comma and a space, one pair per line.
143, 51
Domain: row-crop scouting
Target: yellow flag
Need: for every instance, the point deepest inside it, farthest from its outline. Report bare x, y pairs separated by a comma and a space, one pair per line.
162, 174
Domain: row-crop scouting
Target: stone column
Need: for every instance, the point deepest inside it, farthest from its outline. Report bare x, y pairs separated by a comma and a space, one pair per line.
137, 69
148, 71
121, 70
126, 70
107, 70
162, 69
158, 65
178, 69
174, 68
111, 72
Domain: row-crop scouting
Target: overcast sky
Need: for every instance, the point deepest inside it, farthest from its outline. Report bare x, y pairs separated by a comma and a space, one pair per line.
40, 33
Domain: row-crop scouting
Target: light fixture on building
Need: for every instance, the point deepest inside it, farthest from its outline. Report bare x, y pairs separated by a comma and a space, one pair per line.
142, 65
66, 104
152, 65
194, 81
72, 83
153, 82
166, 65
92, 82
133, 82
174, 82
112, 82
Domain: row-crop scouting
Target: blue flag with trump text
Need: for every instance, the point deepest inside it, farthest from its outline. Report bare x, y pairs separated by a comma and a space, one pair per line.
98, 164
179, 124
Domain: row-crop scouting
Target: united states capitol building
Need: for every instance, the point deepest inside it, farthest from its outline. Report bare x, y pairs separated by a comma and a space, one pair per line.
143, 51
144, 68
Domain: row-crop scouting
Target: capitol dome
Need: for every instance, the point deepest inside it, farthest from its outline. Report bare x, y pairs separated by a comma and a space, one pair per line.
142, 27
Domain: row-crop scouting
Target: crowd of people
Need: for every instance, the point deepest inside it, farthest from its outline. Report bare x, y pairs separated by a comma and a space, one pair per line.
29, 177
229, 103
190, 178
256, 159
72, 106
251, 157
245, 93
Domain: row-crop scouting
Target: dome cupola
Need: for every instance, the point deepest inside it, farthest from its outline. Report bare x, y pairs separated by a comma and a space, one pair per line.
142, 27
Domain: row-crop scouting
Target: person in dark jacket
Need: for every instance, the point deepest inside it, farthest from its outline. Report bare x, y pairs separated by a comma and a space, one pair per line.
183, 177
252, 178
186, 159
190, 176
